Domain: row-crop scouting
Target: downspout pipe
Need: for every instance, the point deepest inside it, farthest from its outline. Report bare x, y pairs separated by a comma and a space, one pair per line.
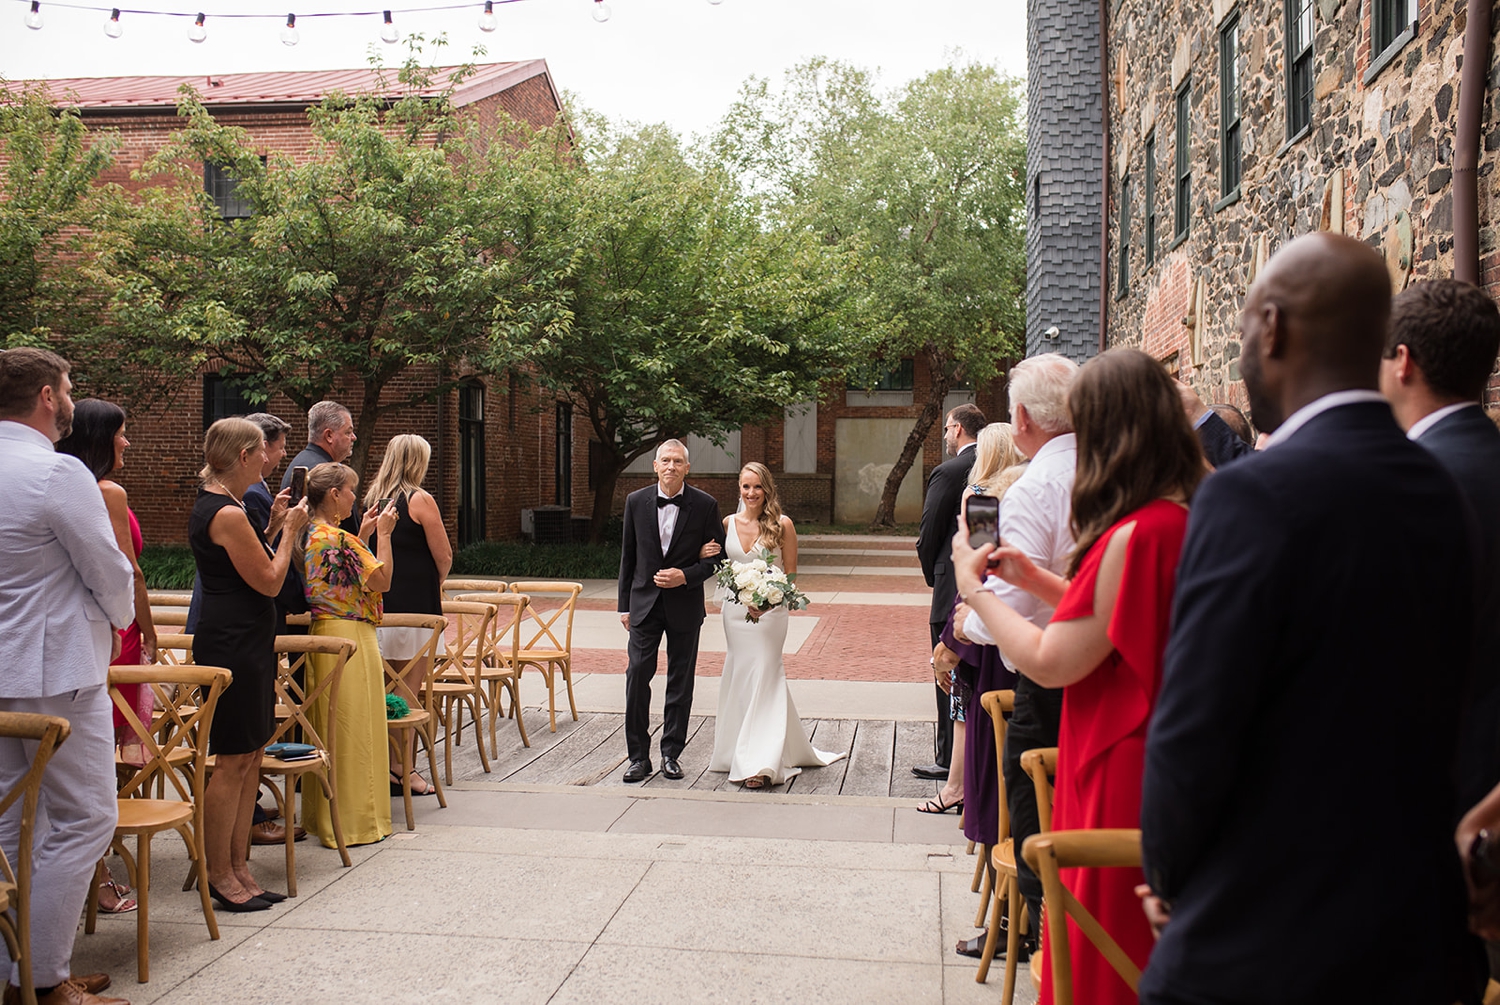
1104, 173
1471, 94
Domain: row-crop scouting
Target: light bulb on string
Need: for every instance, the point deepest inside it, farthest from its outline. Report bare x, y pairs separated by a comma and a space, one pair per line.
716, 2
196, 31
112, 26
33, 17
487, 22
389, 34
601, 11
290, 35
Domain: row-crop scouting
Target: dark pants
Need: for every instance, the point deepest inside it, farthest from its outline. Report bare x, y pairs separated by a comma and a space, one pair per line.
943, 747
1033, 724
682, 663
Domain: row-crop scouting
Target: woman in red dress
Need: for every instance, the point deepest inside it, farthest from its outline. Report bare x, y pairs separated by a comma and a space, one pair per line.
1138, 466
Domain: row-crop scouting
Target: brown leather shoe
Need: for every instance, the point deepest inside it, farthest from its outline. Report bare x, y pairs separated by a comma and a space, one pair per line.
270, 832
90, 983
71, 992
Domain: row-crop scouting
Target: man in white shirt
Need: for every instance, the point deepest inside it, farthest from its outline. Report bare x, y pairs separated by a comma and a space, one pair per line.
1034, 517
64, 587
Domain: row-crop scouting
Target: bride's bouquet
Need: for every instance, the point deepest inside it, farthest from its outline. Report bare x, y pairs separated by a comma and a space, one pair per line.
759, 584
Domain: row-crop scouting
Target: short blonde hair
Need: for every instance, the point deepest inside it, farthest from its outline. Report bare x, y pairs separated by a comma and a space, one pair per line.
224, 442
1041, 383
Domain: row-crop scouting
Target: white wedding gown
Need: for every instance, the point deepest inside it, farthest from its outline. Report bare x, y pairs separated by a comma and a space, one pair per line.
757, 731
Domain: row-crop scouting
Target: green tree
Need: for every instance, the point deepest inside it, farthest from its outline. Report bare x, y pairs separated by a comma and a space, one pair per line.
684, 315
929, 182
393, 245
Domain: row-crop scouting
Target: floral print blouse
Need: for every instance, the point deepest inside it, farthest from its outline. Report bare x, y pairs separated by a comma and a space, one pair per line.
335, 571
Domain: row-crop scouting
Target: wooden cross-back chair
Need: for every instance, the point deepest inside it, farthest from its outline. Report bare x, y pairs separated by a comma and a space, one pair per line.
1003, 889
310, 711
169, 617
48, 733
502, 671
422, 716
458, 587
186, 697
547, 637
1041, 764
174, 649
458, 676
1050, 853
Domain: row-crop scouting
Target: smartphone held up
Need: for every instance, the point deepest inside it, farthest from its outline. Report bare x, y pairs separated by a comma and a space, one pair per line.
982, 514
298, 484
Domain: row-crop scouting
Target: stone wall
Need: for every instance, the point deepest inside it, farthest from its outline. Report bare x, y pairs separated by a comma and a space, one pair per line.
1376, 163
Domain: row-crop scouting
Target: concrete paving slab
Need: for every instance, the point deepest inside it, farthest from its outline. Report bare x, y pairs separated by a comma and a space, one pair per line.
816, 699
789, 911
379, 967
602, 630
178, 950
522, 810
912, 827
671, 976
748, 817
409, 890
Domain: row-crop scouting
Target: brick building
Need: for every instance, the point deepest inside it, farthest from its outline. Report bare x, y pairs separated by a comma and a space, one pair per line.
1235, 126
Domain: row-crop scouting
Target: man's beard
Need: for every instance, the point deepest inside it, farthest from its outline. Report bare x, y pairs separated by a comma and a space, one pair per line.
64, 421
1263, 411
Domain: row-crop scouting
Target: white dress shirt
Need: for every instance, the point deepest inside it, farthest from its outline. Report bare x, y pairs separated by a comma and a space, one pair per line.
1034, 515
666, 517
1317, 407
63, 579
1431, 419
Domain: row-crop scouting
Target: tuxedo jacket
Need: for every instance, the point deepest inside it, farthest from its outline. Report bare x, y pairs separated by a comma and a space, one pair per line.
641, 559
1220, 443
1468, 445
945, 489
1297, 798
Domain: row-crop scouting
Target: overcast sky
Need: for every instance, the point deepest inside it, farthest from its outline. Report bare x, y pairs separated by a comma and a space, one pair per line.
674, 61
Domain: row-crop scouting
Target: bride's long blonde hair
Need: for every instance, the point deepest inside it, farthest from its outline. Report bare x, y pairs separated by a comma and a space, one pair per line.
770, 512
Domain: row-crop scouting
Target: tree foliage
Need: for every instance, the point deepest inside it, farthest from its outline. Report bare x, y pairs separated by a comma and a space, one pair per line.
929, 182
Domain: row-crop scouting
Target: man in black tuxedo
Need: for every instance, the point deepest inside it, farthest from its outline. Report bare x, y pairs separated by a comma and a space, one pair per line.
1321, 633
661, 593
1439, 355
945, 487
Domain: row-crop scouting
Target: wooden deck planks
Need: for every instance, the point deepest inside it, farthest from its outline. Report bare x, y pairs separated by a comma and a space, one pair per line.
836, 735
914, 745
694, 759
555, 766
870, 759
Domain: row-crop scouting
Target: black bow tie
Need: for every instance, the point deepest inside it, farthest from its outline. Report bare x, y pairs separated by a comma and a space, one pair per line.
662, 501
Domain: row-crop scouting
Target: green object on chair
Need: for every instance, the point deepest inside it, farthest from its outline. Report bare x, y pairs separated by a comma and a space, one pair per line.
396, 707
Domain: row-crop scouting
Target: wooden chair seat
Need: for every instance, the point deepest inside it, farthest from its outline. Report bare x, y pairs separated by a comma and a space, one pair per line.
138, 816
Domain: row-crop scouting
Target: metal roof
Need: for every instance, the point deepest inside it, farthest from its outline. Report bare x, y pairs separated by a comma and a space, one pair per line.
291, 87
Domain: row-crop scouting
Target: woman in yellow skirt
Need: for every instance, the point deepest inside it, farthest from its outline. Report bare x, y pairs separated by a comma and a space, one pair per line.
344, 587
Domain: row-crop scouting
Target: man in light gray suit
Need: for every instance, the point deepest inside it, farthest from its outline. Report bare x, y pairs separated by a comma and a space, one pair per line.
64, 587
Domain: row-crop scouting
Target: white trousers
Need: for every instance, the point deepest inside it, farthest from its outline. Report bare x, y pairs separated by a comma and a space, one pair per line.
76, 817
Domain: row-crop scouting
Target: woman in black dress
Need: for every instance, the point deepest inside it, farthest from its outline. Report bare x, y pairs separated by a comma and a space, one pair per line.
422, 557
237, 630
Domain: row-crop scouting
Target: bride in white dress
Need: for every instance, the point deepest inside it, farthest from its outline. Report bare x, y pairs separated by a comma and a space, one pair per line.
758, 738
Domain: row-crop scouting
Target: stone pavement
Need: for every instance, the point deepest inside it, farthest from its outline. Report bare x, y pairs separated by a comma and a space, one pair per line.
527, 891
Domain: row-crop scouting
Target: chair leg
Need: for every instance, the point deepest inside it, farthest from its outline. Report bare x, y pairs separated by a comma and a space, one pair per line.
567, 672
91, 908
992, 937
552, 695
1012, 942
143, 907
451, 709
986, 884
333, 813
476, 705
407, 767
979, 874
513, 686
198, 868
429, 735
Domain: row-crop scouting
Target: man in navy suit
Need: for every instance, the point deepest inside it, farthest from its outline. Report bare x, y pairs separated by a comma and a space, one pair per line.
1438, 357
661, 593
1297, 808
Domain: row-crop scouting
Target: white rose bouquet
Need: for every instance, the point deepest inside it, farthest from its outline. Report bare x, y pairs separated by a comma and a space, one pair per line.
760, 585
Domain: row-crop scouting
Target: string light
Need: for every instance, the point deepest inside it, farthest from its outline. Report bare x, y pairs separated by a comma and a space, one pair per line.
487, 22
389, 34
197, 33
601, 11
112, 26
33, 17
290, 35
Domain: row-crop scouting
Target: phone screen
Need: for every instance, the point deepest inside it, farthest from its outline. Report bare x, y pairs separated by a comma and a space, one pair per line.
299, 484
983, 516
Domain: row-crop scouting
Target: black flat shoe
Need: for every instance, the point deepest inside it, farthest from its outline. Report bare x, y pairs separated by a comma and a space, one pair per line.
638, 771
241, 907
270, 897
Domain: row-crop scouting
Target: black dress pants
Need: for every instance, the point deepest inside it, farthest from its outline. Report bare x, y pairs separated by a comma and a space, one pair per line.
943, 747
682, 663
1034, 723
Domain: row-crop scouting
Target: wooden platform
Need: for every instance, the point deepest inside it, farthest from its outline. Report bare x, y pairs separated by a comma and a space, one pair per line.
591, 751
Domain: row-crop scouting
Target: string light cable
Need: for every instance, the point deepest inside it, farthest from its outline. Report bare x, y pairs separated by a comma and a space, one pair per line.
197, 31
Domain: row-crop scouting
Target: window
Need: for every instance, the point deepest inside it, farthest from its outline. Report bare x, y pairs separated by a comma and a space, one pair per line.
1183, 189
1122, 285
563, 466
223, 189
1229, 105
1299, 66
223, 396
470, 463
1389, 19
1036, 193
876, 378
1151, 198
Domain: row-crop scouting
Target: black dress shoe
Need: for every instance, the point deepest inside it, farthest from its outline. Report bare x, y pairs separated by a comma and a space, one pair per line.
238, 906
670, 768
934, 771
639, 771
